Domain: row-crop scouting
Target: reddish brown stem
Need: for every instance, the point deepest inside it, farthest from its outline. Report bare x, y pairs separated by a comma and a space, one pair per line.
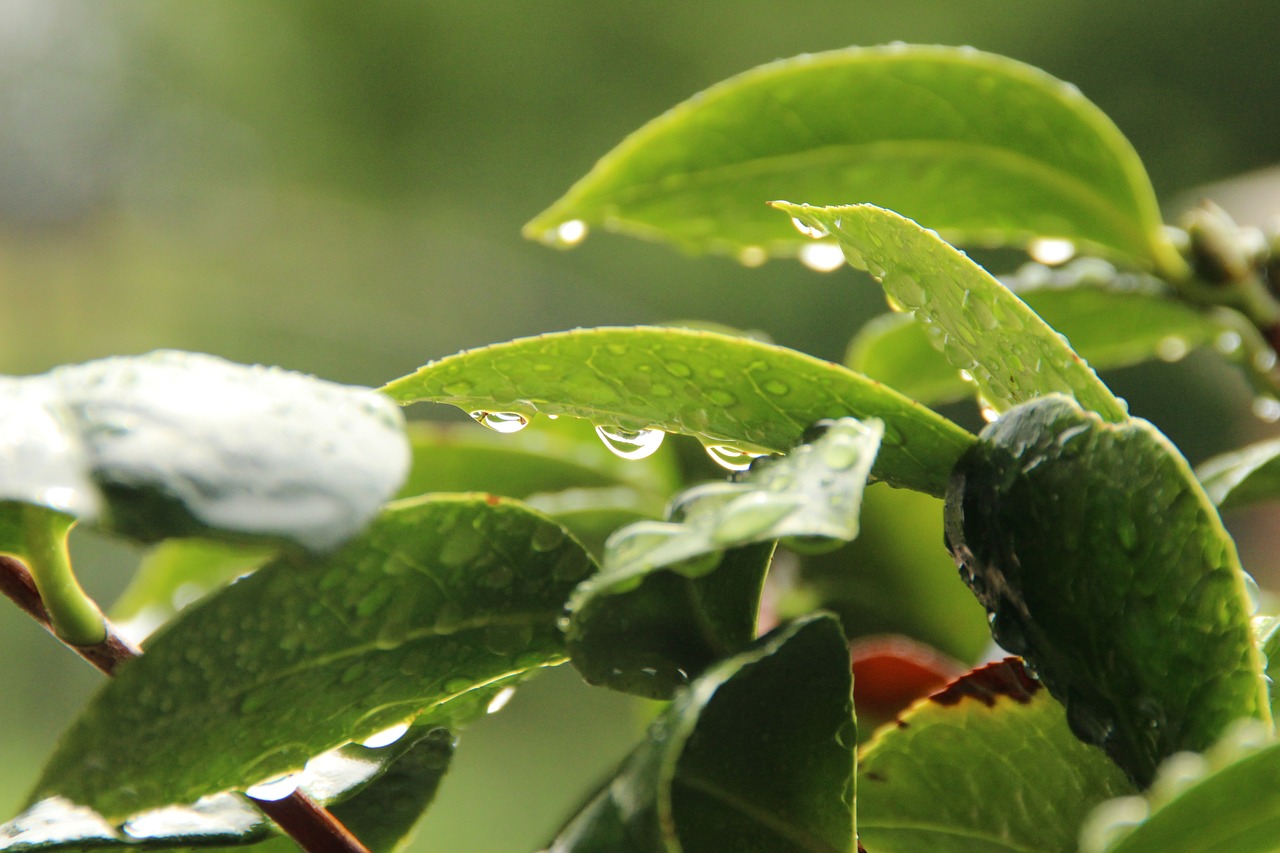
308, 823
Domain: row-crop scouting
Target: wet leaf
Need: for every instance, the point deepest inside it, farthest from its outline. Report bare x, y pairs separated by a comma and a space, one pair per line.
983, 148
725, 390
180, 444
1222, 801
1243, 477
756, 755
441, 603
1104, 565
1108, 328
973, 319
985, 765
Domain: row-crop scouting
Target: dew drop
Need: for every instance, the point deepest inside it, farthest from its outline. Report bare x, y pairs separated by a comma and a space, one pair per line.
1051, 251
1112, 821
503, 422
500, 700
1172, 348
813, 231
731, 458
460, 388
1266, 409
678, 369
752, 256
988, 411
275, 788
776, 387
386, 737
1228, 343
821, 257
570, 233
631, 444
1265, 360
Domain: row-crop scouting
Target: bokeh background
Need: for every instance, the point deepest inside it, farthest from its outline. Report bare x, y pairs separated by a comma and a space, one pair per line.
338, 188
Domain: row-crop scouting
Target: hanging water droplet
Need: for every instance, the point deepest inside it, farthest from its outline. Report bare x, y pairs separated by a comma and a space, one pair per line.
275, 788
386, 737
1267, 409
1172, 348
631, 444
731, 458
500, 700
966, 376
752, 256
1228, 342
988, 411
1051, 251
503, 422
821, 257
812, 231
568, 234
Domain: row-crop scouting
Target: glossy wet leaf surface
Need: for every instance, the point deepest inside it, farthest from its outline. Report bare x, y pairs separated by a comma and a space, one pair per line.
1243, 477
1103, 564
981, 147
986, 765
440, 604
975, 321
722, 389
1107, 328
755, 756
180, 444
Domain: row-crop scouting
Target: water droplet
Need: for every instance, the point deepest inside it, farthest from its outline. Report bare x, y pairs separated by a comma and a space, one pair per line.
1088, 723
812, 231
1112, 821
1177, 773
678, 369
1006, 628
458, 389
386, 737
776, 387
731, 458
752, 256
503, 422
1252, 593
631, 444
1228, 342
546, 537
1051, 251
841, 453
1172, 348
569, 234
822, 257
721, 397
1265, 360
752, 516
1266, 408
500, 700
275, 788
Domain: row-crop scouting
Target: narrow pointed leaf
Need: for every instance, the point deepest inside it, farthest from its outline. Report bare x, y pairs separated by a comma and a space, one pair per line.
1102, 563
725, 390
439, 604
941, 134
977, 323
755, 756
986, 765
1243, 477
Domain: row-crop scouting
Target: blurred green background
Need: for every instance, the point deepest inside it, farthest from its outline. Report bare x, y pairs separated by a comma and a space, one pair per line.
338, 188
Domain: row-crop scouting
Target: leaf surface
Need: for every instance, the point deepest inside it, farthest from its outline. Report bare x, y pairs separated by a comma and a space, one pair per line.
441, 603
984, 148
1243, 477
986, 765
754, 756
1102, 563
973, 319
722, 389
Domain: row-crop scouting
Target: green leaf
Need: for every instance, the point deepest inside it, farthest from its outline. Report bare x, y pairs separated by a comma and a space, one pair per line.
442, 602
1224, 801
722, 389
977, 323
986, 765
1102, 563
1108, 328
756, 755
1243, 477
984, 148
181, 444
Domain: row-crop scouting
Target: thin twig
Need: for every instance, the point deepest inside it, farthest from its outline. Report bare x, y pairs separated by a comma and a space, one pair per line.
307, 822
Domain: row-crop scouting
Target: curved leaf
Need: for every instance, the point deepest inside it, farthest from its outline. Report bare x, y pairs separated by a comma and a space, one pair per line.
984, 148
1243, 477
755, 756
1103, 563
977, 323
986, 765
439, 604
725, 390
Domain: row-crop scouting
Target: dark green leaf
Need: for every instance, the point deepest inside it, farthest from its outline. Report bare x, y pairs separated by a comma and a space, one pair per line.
987, 765
974, 320
1243, 477
1102, 562
986, 149
756, 755
442, 602
725, 390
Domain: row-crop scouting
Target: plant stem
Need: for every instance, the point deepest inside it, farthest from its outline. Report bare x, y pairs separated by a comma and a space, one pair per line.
308, 823
75, 618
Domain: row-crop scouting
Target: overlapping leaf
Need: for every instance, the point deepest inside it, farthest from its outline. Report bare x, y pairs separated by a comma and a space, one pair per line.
1243, 477
755, 756
441, 603
987, 765
973, 319
725, 390
1102, 562
983, 148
